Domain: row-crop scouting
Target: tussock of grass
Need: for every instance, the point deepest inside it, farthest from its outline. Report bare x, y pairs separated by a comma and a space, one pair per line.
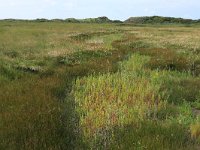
82, 57
195, 131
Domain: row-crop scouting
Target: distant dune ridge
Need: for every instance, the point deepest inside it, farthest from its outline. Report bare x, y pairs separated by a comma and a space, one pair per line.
102, 19
133, 20
93, 20
159, 19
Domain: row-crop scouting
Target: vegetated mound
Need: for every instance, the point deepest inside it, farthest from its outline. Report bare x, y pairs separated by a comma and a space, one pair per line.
93, 20
70, 20
159, 20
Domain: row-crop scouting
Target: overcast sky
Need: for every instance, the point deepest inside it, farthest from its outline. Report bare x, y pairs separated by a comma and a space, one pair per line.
114, 9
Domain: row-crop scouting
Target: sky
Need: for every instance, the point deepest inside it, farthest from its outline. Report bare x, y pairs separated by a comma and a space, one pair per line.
113, 9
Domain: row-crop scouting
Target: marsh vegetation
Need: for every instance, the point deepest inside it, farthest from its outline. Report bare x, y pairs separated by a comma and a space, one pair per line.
99, 86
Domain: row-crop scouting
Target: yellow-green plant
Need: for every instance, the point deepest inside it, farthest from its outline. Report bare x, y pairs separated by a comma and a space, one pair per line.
118, 99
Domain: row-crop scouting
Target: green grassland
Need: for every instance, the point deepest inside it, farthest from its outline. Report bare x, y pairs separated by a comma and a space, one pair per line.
99, 86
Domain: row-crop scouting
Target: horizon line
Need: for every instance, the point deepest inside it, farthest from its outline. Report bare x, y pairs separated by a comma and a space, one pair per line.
95, 17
